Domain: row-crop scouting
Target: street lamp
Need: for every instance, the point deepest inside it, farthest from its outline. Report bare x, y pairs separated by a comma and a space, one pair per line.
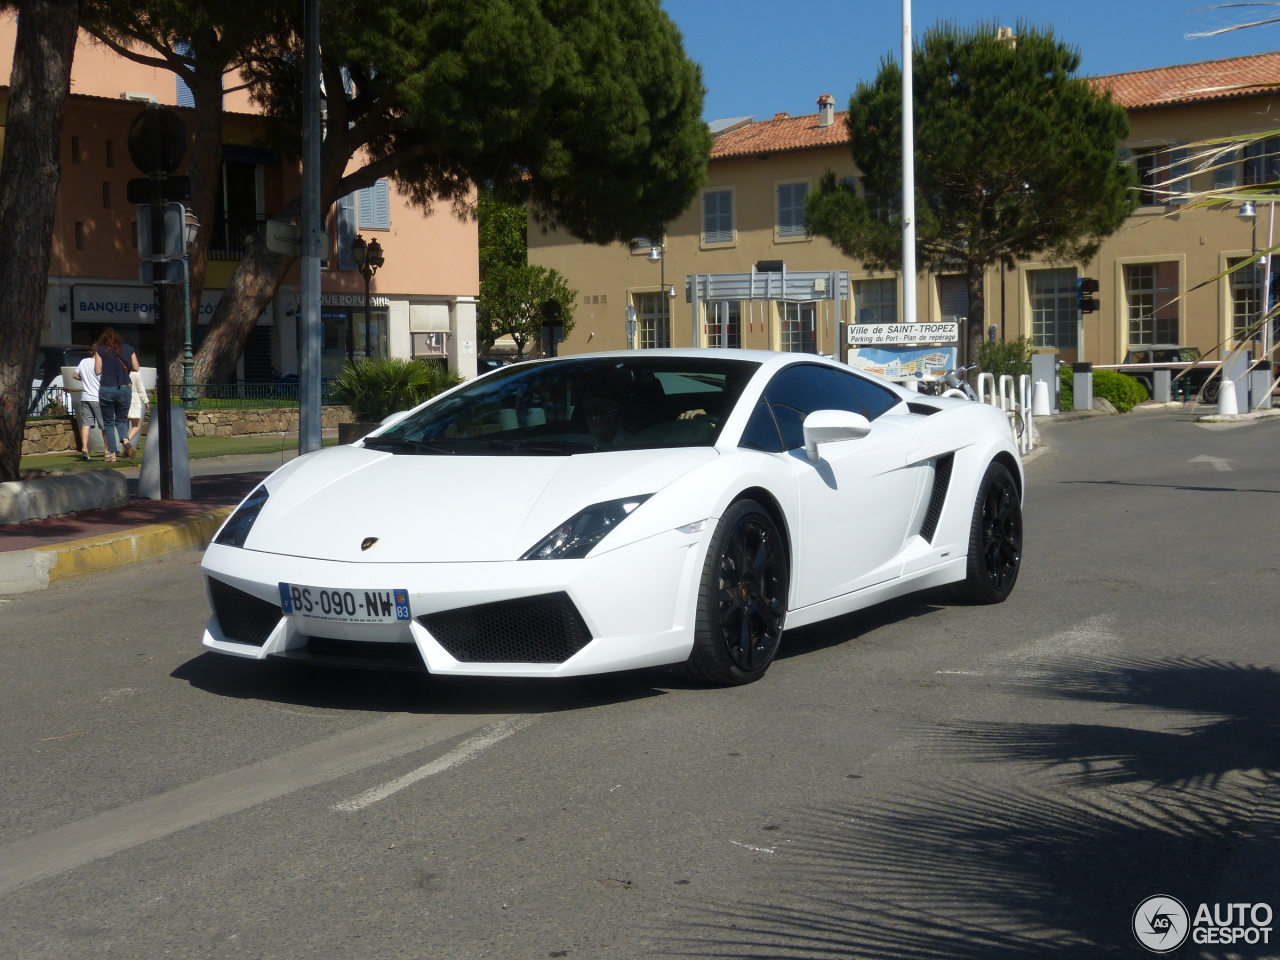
368, 257
1249, 211
189, 229
657, 254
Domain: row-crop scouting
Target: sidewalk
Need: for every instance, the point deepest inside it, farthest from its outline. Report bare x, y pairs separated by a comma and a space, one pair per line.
34, 555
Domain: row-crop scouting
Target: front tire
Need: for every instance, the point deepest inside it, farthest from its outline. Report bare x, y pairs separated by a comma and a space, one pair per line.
995, 540
742, 602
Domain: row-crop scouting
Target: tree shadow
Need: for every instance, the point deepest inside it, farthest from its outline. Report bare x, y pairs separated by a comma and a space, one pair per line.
952, 869
333, 688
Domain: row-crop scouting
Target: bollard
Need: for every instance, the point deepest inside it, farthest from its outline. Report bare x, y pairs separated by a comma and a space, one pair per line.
1228, 405
1040, 404
1160, 386
1082, 386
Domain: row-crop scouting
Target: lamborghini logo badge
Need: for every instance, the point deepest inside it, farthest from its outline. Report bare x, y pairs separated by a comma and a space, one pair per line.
368, 542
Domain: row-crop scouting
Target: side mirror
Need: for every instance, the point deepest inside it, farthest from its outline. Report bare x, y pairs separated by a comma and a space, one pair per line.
394, 418
825, 426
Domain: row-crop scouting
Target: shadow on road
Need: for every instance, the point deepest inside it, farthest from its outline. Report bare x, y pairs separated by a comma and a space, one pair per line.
963, 871
400, 692
851, 626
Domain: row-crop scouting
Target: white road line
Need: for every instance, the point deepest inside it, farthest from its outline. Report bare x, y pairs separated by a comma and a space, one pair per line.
461, 754
76, 844
1220, 464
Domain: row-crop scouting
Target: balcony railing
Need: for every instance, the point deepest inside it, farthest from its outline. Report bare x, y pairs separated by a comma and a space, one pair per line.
227, 240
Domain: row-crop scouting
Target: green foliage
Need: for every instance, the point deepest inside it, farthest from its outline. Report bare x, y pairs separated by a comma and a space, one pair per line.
503, 230
511, 299
1012, 357
1015, 158
377, 388
1122, 390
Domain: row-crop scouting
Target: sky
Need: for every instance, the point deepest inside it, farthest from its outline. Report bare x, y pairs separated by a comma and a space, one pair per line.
760, 57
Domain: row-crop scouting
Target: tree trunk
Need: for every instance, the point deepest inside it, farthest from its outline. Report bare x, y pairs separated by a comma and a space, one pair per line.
977, 324
39, 84
205, 170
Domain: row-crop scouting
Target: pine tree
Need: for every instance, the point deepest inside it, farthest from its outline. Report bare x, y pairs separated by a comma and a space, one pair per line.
1015, 157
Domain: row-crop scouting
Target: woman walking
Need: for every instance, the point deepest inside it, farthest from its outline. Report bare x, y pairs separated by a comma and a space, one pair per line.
113, 361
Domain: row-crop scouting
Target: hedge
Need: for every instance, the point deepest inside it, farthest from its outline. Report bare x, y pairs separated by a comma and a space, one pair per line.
1122, 390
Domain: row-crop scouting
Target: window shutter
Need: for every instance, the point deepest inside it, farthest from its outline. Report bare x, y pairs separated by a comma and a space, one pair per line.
1225, 176
375, 206
791, 219
346, 215
1179, 175
366, 207
185, 97
717, 216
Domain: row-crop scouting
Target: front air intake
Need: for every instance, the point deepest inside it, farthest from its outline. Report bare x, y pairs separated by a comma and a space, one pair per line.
941, 480
243, 617
544, 629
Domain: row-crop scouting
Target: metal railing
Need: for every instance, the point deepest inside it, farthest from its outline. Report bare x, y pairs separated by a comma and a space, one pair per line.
226, 242
213, 396
46, 403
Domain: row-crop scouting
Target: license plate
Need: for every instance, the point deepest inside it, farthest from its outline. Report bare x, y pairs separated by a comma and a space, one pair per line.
344, 606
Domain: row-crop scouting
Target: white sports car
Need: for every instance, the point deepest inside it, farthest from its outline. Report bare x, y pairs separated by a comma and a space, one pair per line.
619, 510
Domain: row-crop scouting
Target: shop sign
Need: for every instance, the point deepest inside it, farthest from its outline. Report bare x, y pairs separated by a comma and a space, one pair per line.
347, 300
121, 304
881, 334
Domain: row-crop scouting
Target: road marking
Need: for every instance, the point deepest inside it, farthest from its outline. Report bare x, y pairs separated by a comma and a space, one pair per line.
76, 844
1219, 464
460, 754
747, 846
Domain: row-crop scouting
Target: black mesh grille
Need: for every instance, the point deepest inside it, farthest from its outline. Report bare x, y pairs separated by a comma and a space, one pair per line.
546, 629
941, 480
923, 409
391, 654
243, 617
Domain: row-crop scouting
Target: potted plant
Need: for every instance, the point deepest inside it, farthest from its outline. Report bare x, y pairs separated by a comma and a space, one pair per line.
377, 388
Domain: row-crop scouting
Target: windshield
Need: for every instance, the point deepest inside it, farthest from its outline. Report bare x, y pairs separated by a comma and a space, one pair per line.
579, 405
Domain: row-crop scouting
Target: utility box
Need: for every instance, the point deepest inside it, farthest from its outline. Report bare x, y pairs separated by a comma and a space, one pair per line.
1082, 386
1044, 366
1160, 385
1260, 385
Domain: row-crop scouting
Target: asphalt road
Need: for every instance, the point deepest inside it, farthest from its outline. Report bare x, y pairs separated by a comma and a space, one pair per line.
917, 781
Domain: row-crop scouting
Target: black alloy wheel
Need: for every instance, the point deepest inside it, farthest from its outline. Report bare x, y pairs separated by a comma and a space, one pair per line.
743, 601
995, 540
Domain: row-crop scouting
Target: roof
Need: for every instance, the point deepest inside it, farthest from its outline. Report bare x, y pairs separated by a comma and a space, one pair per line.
1201, 82
782, 134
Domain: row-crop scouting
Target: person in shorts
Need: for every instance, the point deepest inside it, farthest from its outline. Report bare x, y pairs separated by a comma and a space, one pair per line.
90, 412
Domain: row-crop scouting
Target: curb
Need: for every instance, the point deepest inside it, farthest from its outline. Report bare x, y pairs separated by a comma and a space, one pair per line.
1251, 416
22, 571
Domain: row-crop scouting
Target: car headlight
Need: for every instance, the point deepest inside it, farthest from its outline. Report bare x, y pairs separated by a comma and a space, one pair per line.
236, 530
574, 538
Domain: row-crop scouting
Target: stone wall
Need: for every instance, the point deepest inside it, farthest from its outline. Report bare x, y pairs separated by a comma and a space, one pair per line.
53, 435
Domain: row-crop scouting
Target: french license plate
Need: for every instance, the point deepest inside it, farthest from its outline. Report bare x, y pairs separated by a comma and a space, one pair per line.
344, 606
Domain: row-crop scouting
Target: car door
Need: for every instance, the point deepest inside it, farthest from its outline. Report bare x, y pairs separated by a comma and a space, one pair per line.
857, 502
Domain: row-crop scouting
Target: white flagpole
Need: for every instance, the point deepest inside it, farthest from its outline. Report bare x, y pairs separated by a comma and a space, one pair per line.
908, 176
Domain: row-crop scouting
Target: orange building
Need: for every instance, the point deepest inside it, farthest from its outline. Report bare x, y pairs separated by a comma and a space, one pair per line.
424, 297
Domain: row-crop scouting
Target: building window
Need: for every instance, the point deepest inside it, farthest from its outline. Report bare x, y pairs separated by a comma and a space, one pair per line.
1262, 162
653, 321
724, 323
106, 194
375, 206
185, 96
1246, 296
79, 232
879, 206
799, 333
1054, 307
791, 218
345, 214
1152, 291
1164, 175
75, 149
877, 301
111, 153
717, 216
237, 209
639, 244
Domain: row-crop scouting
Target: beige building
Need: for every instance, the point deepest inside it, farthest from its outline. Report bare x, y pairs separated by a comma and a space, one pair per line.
423, 299
752, 212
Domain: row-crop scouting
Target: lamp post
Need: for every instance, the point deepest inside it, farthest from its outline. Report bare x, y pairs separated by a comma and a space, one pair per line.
1249, 211
190, 229
368, 257
657, 254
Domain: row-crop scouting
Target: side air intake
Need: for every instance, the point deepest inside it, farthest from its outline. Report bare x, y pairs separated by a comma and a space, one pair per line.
941, 480
243, 617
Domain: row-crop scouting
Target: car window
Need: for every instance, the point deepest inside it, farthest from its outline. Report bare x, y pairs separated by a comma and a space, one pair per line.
579, 405
797, 391
761, 433
1190, 354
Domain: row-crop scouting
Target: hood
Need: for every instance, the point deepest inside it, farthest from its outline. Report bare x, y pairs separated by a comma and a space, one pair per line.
445, 509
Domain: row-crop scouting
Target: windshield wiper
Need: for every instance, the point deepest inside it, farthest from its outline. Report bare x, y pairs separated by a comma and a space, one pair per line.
399, 443
547, 444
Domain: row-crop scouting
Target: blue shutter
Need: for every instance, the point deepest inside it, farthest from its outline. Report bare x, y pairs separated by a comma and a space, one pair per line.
717, 216
375, 206
791, 218
366, 207
185, 97
346, 216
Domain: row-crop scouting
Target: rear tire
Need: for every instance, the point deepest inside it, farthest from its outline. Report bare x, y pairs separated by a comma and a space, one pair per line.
742, 602
995, 540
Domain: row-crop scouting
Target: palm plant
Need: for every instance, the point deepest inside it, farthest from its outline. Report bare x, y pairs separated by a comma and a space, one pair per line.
377, 388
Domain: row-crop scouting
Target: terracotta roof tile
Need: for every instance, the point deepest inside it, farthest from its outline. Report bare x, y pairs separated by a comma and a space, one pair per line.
783, 134
1194, 82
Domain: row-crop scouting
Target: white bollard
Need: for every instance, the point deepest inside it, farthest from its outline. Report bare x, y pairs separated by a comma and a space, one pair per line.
1040, 405
1227, 403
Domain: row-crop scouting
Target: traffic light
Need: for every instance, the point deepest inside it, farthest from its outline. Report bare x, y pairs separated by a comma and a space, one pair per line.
1085, 288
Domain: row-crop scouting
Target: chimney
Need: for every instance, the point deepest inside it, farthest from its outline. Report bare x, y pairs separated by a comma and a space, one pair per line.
826, 110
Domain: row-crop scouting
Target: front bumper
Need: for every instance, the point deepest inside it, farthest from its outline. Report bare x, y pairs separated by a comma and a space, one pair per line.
637, 602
